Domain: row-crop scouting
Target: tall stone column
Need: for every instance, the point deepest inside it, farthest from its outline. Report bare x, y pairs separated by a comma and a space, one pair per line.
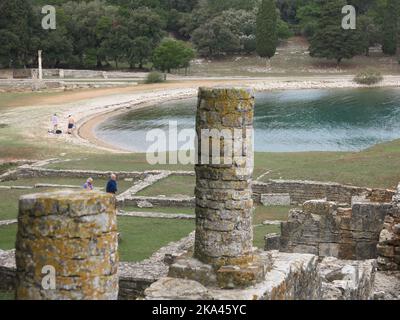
224, 206
67, 247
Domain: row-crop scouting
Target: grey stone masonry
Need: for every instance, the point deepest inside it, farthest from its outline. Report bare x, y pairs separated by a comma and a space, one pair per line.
224, 202
328, 229
297, 192
389, 239
72, 238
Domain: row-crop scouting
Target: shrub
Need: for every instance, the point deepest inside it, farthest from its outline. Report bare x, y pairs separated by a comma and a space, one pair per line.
368, 77
155, 77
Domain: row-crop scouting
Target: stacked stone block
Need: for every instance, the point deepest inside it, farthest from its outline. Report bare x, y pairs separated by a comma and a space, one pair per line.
389, 240
67, 246
223, 254
301, 191
326, 229
224, 204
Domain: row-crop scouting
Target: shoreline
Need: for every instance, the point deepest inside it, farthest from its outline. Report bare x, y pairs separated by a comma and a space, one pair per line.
85, 131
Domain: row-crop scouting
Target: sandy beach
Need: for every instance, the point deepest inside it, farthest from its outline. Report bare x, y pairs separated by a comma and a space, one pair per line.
90, 108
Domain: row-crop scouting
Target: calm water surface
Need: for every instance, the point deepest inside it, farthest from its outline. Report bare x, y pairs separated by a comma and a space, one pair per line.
285, 121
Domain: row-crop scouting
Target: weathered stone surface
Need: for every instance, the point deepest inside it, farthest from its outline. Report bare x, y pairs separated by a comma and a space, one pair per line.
291, 277
186, 202
389, 238
223, 190
272, 242
387, 285
347, 280
76, 234
7, 270
177, 289
144, 204
193, 269
326, 229
301, 191
275, 199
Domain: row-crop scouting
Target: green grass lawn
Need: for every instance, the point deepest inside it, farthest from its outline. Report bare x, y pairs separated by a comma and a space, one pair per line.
6, 295
171, 186
9, 203
377, 167
113, 162
7, 237
273, 213
141, 237
98, 183
259, 232
9, 198
172, 210
261, 213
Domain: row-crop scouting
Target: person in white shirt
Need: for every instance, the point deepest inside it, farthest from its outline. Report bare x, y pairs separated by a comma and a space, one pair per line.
54, 122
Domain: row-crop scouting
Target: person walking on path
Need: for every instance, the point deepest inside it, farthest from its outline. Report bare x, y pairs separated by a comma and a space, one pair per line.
88, 185
71, 124
112, 186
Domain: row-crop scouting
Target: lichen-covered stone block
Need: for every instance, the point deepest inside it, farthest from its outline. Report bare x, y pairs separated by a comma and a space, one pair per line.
75, 234
224, 203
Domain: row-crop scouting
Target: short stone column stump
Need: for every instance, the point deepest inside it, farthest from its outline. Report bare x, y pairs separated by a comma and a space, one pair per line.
67, 247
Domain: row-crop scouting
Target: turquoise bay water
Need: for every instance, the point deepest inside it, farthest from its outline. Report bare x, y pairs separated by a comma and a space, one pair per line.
285, 121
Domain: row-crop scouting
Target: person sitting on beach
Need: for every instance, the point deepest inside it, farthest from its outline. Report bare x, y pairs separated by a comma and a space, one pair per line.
112, 185
54, 122
71, 124
88, 185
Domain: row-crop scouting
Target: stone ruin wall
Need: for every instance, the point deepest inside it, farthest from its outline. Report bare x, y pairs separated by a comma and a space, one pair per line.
297, 192
366, 230
389, 239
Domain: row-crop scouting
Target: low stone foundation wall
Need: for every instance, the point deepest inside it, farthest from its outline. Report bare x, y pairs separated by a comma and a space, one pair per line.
327, 229
32, 172
389, 240
300, 191
291, 277
185, 202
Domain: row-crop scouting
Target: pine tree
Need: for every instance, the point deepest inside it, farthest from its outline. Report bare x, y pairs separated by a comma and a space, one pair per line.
266, 33
331, 41
390, 27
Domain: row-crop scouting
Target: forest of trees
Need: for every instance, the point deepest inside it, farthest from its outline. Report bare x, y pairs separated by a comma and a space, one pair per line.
140, 33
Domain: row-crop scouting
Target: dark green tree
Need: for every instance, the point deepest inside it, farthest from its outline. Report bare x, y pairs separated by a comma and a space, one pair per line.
369, 32
215, 38
390, 27
172, 54
16, 26
331, 41
266, 30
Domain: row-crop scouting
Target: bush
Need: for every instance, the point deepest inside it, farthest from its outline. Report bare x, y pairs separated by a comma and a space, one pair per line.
368, 77
155, 77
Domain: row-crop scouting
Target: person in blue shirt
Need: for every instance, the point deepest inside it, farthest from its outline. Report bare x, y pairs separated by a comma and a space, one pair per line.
112, 185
